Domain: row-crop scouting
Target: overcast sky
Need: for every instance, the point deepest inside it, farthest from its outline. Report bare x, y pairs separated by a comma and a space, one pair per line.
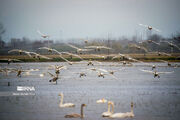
87, 18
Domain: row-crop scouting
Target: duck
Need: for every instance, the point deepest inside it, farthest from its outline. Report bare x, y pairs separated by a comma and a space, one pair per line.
75, 115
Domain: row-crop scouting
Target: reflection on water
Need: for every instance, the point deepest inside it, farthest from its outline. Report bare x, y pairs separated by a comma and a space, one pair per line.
153, 98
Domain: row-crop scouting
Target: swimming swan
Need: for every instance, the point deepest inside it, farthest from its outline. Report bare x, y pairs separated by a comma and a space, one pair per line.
109, 112
75, 115
123, 115
65, 104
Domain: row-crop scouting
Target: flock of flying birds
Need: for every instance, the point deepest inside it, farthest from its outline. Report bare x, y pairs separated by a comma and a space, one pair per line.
126, 60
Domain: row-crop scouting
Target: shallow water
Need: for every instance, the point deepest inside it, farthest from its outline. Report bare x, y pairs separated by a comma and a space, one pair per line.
154, 98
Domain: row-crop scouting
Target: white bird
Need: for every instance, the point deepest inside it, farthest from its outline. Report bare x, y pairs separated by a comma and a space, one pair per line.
79, 50
102, 56
71, 54
163, 53
75, 115
150, 27
42, 35
36, 55
10, 60
81, 74
138, 47
168, 63
61, 104
69, 62
101, 101
19, 71
123, 115
155, 73
171, 44
98, 48
50, 49
119, 55
20, 52
151, 41
109, 112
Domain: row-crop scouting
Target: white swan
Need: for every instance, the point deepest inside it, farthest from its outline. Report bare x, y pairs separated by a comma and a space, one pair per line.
65, 104
42, 35
101, 101
150, 27
79, 50
123, 115
98, 48
109, 112
155, 73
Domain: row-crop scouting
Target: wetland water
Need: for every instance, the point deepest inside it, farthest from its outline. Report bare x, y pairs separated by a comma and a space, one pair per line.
154, 98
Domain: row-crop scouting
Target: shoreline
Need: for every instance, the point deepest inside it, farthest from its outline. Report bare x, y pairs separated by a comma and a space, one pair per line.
55, 58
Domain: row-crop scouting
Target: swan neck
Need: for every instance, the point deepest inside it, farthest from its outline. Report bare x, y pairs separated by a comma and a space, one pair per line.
62, 96
82, 113
108, 107
112, 107
132, 109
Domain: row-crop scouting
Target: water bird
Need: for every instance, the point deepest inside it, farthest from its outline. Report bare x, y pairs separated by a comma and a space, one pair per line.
42, 35
49, 49
168, 63
163, 53
123, 115
19, 71
151, 41
81, 74
101, 74
98, 48
69, 62
138, 47
171, 44
102, 56
150, 27
75, 115
10, 60
155, 73
71, 54
55, 77
79, 50
103, 100
38, 56
109, 112
61, 104
20, 52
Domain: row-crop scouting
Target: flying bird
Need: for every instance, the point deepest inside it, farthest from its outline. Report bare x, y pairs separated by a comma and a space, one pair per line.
10, 60
150, 27
98, 48
20, 52
79, 50
54, 77
155, 73
42, 35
